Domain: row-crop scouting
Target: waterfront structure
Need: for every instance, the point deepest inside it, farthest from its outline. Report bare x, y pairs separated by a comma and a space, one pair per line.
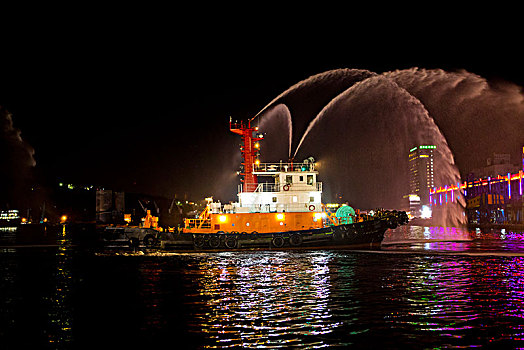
489, 200
421, 177
9, 217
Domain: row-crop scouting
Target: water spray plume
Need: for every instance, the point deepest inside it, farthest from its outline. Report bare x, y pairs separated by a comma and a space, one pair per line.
475, 115
366, 122
329, 77
277, 120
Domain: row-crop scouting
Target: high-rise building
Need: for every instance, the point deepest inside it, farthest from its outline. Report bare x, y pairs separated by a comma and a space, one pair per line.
421, 171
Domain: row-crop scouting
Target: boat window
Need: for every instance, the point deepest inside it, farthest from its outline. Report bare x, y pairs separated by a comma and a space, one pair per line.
311, 199
289, 179
274, 199
310, 180
301, 178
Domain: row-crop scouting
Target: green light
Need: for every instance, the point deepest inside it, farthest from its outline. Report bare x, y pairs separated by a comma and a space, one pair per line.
414, 148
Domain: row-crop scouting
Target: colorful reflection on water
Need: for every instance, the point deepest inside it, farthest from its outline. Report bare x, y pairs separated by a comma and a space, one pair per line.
453, 240
268, 300
430, 291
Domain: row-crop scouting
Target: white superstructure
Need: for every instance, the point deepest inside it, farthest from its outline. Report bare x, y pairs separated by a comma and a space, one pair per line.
294, 188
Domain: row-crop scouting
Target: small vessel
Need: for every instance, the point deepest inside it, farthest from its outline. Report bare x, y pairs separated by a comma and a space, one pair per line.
279, 206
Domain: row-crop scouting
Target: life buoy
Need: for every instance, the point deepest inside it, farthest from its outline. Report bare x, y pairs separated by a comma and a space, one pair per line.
286, 187
311, 207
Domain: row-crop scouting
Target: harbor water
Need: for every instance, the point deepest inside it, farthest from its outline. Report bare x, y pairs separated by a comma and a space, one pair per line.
426, 287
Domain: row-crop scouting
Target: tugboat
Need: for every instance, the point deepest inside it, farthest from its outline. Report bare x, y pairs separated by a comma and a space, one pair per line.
283, 213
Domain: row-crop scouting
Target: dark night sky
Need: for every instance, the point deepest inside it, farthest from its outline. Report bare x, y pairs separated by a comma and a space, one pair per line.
143, 103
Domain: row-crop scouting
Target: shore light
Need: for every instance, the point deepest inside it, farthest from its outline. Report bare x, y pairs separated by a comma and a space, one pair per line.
425, 212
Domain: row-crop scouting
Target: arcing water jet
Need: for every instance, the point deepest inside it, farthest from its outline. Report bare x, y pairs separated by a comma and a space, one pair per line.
402, 109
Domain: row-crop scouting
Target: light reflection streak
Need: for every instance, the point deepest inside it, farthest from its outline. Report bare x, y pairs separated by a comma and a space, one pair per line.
60, 313
455, 240
266, 300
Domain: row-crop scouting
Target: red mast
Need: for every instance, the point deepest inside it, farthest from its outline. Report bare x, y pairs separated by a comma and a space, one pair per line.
249, 151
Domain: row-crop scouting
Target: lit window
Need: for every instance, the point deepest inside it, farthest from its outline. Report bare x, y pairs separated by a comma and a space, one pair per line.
310, 180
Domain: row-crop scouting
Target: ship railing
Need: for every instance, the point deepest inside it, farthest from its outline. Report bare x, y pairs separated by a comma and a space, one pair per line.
283, 167
280, 208
271, 187
198, 223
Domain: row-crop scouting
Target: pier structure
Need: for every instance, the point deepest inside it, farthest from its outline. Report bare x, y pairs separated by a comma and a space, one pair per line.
489, 200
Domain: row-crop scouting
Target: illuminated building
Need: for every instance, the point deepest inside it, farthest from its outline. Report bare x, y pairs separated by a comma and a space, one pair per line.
421, 177
9, 217
489, 200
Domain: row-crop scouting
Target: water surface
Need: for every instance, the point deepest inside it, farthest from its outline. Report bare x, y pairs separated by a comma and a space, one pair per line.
425, 288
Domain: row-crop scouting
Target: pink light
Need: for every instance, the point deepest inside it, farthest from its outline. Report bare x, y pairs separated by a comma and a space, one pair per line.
509, 185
